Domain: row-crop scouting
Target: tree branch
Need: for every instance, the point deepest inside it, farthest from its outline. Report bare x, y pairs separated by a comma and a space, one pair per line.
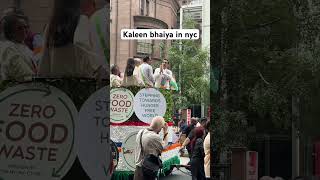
257, 26
264, 80
264, 24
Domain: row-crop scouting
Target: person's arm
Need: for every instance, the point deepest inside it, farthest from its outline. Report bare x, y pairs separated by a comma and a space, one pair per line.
156, 74
200, 148
157, 145
14, 67
150, 74
135, 72
167, 74
89, 63
44, 63
139, 76
185, 143
187, 140
165, 135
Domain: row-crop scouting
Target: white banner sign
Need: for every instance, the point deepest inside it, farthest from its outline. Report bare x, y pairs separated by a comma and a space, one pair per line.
121, 108
149, 103
93, 136
37, 125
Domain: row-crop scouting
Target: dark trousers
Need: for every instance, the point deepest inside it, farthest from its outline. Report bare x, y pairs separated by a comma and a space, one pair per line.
197, 169
138, 175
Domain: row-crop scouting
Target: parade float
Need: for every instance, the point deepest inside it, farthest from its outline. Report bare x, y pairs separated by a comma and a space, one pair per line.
132, 109
86, 146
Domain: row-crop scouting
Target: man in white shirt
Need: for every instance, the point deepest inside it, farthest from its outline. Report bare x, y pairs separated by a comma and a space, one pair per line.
83, 30
163, 75
137, 73
83, 35
147, 72
100, 33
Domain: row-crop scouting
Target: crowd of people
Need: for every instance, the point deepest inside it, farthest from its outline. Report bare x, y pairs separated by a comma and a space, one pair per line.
195, 137
196, 140
140, 73
71, 45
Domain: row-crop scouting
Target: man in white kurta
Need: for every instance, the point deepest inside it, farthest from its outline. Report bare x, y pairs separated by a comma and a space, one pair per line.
163, 75
100, 33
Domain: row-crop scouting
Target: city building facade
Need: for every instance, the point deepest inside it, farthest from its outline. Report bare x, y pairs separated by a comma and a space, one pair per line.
140, 14
198, 11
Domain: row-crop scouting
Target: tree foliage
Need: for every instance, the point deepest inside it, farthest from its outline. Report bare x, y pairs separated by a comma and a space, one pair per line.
191, 62
267, 53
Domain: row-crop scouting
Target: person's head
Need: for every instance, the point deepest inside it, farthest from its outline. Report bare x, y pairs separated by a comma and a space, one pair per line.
198, 133
137, 61
115, 70
88, 7
15, 11
63, 23
130, 67
207, 125
193, 121
157, 124
147, 60
10, 12
15, 28
203, 121
165, 63
182, 122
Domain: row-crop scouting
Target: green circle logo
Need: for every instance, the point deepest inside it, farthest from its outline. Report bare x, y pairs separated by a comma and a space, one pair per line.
121, 105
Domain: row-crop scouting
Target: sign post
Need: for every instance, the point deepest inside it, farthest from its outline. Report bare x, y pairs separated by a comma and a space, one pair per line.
189, 116
252, 165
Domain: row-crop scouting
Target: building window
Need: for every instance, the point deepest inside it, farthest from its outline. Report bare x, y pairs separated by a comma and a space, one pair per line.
142, 7
162, 48
148, 6
144, 47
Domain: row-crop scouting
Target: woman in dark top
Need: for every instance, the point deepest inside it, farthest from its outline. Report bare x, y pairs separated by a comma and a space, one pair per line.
197, 158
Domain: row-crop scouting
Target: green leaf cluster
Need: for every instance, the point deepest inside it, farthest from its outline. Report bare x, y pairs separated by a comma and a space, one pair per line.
190, 65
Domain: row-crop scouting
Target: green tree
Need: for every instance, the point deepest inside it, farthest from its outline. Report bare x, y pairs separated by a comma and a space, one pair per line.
267, 52
190, 65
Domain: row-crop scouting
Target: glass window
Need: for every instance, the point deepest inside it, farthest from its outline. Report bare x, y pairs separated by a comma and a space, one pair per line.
142, 7
144, 47
148, 6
